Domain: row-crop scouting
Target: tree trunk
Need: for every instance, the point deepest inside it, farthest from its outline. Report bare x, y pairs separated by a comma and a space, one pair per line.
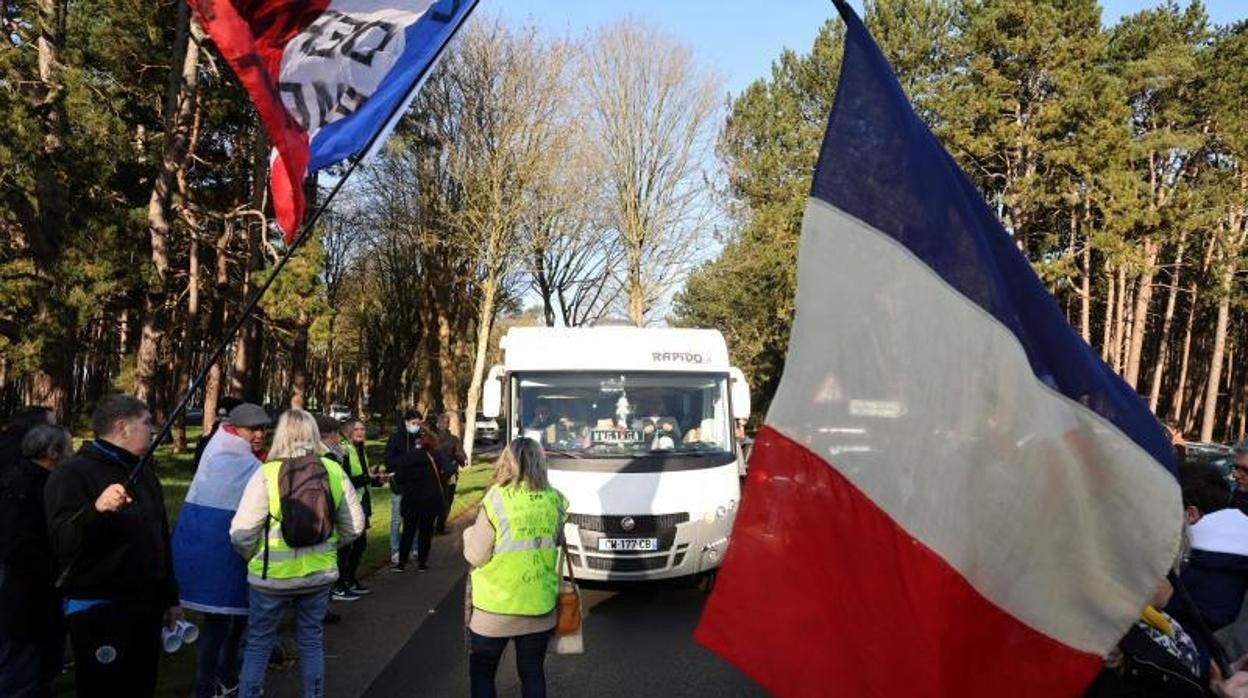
544, 287
636, 292
1085, 295
218, 319
485, 323
1139, 315
1167, 322
1232, 383
451, 386
179, 115
1209, 414
1120, 318
299, 364
146, 362
189, 340
244, 377
51, 384
1107, 329
1242, 428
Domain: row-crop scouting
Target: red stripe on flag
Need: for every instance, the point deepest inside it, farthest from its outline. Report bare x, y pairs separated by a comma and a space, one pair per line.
822, 593
251, 35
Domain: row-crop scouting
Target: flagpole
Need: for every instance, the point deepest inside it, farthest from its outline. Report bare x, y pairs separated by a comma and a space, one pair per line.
195, 384
1217, 653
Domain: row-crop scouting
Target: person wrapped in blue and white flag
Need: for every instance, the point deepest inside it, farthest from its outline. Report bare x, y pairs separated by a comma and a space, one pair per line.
212, 576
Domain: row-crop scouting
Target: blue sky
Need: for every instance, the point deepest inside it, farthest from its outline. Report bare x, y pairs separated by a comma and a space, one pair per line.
740, 39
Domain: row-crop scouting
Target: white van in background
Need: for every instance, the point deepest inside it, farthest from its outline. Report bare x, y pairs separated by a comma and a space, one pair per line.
638, 428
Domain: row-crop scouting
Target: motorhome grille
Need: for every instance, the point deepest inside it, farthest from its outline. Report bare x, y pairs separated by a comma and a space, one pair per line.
626, 564
642, 523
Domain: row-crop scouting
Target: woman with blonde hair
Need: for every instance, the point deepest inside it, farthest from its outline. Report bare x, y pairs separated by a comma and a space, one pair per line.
293, 562
514, 550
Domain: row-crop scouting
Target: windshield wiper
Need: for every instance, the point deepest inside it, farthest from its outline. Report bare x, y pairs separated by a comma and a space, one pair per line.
565, 452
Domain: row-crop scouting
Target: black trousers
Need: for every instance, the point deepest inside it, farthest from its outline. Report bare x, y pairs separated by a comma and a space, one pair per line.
449, 489
418, 526
349, 557
485, 653
116, 648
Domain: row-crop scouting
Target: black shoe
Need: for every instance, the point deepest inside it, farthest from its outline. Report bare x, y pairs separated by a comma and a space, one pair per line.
343, 594
359, 589
399, 568
422, 568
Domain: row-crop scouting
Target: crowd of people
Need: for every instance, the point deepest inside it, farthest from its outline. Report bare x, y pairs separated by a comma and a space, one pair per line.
270, 523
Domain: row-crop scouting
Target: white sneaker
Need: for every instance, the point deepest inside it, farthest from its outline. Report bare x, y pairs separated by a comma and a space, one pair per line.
394, 558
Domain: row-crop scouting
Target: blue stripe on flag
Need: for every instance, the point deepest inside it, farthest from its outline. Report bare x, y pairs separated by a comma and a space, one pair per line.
880, 164
423, 42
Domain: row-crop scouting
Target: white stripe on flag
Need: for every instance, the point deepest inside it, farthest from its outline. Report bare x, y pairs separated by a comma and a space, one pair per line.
928, 404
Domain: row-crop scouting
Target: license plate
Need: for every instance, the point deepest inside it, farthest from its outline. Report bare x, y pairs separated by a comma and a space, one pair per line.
628, 543
616, 436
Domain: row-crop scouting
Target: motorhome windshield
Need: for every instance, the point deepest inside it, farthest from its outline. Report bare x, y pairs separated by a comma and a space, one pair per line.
623, 414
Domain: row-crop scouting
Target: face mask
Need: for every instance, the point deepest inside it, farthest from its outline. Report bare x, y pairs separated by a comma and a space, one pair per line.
413, 430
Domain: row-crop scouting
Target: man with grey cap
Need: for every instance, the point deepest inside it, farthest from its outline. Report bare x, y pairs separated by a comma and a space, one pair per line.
212, 577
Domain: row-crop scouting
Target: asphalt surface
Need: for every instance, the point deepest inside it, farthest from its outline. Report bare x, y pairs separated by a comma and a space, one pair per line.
638, 642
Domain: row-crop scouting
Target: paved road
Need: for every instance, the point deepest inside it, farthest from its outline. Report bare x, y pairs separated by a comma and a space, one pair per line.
638, 642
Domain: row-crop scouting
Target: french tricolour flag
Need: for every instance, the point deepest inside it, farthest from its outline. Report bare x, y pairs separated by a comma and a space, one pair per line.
953, 495
329, 78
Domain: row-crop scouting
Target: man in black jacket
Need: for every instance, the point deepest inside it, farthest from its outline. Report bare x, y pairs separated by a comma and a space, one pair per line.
112, 542
406, 437
32, 632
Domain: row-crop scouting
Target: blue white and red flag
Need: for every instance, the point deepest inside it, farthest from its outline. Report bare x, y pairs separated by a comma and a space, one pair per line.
329, 78
952, 495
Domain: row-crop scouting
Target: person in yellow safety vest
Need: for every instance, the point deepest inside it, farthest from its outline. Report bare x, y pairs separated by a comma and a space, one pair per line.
513, 548
354, 461
281, 575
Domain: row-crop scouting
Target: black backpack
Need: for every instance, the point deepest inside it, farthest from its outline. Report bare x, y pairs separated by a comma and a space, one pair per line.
307, 503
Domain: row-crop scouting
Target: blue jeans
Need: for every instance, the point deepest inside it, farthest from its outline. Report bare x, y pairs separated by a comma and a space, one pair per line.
486, 652
219, 645
266, 613
396, 501
27, 669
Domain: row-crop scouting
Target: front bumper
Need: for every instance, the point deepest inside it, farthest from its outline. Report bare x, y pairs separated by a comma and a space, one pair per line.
686, 546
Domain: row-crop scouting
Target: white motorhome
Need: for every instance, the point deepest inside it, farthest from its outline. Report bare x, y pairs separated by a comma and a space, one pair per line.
638, 425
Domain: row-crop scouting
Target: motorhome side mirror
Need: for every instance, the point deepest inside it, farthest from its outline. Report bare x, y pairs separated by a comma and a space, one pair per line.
740, 391
492, 393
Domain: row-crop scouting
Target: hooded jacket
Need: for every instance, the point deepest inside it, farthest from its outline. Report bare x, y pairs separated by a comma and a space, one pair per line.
212, 576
